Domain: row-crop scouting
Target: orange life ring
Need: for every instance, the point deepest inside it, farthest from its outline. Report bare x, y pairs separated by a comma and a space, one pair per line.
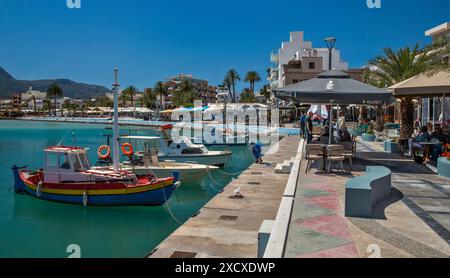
127, 149
100, 152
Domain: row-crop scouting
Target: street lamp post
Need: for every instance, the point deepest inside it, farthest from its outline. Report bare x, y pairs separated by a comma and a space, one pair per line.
330, 45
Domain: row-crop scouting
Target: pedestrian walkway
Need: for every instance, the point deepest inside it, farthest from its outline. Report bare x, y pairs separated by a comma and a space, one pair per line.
228, 225
424, 192
413, 222
318, 227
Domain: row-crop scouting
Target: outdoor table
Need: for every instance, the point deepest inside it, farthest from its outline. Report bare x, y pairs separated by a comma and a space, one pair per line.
324, 158
427, 146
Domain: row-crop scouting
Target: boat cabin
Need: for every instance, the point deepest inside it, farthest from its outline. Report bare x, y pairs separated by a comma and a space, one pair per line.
185, 147
64, 164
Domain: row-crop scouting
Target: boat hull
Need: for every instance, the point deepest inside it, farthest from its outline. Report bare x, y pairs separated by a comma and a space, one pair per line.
213, 160
154, 195
185, 175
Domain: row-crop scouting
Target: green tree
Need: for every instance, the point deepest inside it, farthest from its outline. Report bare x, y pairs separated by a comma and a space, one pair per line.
47, 106
130, 91
161, 90
252, 77
232, 77
124, 97
54, 91
185, 95
148, 99
265, 91
395, 66
247, 96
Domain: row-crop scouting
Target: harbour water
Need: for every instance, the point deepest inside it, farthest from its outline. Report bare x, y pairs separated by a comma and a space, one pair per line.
31, 228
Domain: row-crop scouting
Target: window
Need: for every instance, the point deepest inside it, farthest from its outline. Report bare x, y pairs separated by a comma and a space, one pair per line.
76, 162
192, 151
312, 65
52, 160
65, 163
84, 161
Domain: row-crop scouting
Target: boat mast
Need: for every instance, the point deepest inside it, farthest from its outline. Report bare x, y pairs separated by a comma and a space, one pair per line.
116, 151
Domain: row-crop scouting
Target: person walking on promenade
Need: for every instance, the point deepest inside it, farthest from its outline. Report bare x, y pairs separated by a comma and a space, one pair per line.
309, 127
303, 125
257, 152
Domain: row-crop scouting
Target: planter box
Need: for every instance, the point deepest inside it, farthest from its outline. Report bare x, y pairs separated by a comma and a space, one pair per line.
444, 167
392, 147
368, 137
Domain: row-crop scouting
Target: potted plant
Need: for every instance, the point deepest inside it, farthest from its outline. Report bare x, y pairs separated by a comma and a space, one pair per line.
369, 135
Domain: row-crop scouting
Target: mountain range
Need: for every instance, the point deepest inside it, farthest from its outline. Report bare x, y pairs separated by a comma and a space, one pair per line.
9, 86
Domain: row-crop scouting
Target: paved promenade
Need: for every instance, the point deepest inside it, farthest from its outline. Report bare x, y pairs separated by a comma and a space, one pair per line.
414, 222
228, 227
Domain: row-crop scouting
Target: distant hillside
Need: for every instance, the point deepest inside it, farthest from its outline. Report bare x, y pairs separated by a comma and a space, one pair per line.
9, 86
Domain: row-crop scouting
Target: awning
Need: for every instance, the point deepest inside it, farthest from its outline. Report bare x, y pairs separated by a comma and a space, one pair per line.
423, 86
334, 87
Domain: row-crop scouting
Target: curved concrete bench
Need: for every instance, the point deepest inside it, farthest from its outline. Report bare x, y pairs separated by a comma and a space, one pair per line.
362, 193
444, 167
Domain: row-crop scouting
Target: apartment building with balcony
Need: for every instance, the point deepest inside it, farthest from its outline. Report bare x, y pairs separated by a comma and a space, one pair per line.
297, 61
202, 89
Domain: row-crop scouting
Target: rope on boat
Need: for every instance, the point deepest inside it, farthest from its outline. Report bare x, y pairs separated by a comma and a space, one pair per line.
166, 204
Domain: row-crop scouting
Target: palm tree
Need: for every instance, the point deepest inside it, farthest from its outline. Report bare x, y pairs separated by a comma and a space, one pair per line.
227, 84
232, 77
265, 92
396, 66
252, 77
161, 90
130, 91
185, 94
247, 96
124, 97
149, 98
47, 106
54, 91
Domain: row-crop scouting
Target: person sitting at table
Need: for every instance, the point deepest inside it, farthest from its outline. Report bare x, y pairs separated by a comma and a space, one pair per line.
324, 136
345, 136
414, 143
439, 136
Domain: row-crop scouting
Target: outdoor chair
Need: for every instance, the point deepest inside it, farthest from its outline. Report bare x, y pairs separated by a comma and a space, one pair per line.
313, 153
336, 155
349, 151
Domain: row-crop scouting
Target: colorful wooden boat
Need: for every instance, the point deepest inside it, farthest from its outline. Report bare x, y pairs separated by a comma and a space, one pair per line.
67, 177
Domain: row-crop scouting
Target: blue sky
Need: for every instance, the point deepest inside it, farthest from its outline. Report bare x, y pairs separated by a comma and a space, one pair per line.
151, 40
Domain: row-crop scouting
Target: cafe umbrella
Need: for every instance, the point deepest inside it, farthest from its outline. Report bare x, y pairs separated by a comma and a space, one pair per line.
334, 87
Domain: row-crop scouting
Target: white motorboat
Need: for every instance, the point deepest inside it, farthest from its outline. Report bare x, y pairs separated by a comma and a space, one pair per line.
186, 151
145, 161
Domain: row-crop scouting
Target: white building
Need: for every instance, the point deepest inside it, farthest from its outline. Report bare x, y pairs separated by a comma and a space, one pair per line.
431, 108
295, 50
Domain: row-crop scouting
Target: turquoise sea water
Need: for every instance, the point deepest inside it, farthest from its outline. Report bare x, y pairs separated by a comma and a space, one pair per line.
33, 228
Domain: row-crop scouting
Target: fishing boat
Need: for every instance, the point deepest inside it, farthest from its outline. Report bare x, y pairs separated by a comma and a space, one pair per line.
144, 161
68, 177
186, 151
228, 139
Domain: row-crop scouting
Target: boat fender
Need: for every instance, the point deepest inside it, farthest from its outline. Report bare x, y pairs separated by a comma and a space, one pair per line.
39, 189
177, 184
85, 199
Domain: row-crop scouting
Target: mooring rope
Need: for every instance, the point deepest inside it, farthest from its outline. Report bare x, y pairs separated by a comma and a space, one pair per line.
169, 209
